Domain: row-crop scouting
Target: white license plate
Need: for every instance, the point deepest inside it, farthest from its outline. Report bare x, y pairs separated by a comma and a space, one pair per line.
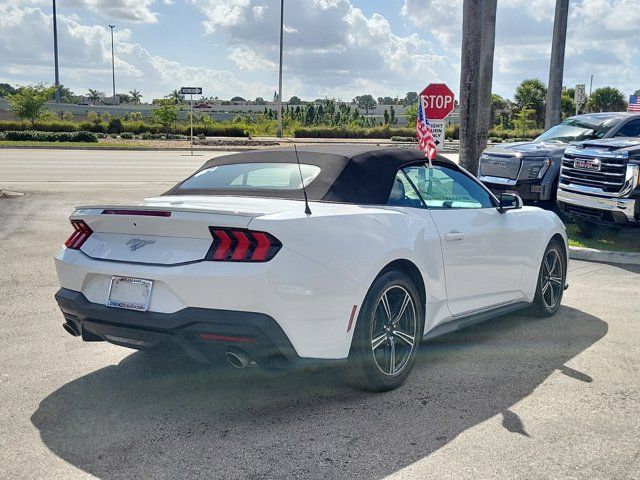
587, 165
129, 293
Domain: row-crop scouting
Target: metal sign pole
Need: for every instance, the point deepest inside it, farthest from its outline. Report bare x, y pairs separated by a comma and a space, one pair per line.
192, 124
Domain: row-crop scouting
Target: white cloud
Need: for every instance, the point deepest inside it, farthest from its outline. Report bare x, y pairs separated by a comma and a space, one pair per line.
85, 58
137, 11
245, 58
331, 47
603, 38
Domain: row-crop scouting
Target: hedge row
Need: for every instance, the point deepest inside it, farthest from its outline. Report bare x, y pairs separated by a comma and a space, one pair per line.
116, 125
356, 132
36, 136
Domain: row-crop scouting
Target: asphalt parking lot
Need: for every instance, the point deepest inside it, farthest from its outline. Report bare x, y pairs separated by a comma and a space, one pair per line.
515, 397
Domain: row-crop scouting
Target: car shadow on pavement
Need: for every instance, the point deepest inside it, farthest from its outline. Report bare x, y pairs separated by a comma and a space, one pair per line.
164, 417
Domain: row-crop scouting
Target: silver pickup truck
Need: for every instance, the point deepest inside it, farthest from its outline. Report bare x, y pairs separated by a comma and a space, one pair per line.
532, 169
600, 182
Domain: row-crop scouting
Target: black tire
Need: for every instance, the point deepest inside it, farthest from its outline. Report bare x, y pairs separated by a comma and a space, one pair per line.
552, 279
370, 367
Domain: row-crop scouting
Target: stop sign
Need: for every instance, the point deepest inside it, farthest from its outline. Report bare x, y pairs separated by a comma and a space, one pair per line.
438, 101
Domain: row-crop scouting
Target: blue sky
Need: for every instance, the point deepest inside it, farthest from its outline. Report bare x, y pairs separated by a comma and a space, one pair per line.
334, 48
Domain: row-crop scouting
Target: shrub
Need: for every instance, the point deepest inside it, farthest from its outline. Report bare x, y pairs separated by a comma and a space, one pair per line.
403, 139
127, 135
114, 125
495, 139
351, 132
40, 126
452, 132
38, 136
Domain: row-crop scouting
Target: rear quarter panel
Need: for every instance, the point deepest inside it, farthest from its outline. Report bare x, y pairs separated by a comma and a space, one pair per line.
358, 242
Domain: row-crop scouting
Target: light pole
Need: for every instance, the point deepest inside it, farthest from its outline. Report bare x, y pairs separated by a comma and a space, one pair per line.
280, 73
55, 52
113, 65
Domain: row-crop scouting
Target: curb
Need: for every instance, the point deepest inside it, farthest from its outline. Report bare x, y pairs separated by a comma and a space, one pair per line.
604, 256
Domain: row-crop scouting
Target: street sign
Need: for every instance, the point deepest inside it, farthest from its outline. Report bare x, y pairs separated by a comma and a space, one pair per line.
191, 90
437, 127
438, 101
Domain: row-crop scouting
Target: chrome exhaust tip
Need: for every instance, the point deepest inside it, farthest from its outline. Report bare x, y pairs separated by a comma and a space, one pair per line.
238, 359
71, 329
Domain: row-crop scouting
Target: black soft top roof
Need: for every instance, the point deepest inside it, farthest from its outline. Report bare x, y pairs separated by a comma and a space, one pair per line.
349, 174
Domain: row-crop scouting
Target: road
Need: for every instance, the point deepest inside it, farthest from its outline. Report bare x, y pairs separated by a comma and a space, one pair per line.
516, 397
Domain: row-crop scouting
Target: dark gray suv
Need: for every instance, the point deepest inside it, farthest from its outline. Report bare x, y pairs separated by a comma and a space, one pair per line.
531, 169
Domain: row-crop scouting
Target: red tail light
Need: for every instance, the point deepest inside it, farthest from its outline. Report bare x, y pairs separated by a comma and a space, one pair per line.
241, 245
79, 236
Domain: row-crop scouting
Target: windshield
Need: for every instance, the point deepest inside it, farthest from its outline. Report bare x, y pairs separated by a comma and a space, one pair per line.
572, 130
251, 176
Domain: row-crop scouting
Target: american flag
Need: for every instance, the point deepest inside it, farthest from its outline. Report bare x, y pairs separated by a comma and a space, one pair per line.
634, 103
425, 133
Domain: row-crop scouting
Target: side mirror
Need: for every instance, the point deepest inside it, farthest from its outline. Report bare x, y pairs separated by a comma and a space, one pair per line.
509, 201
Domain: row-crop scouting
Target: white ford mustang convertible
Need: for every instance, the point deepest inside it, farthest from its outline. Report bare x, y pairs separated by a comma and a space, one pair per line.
234, 262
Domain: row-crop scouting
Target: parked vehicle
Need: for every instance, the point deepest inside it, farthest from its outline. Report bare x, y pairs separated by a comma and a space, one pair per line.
233, 262
532, 169
600, 183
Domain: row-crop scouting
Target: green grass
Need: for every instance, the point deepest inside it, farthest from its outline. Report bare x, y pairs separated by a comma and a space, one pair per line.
627, 240
9, 144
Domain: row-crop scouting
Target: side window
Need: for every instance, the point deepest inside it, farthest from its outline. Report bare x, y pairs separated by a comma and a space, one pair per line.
443, 188
631, 129
403, 194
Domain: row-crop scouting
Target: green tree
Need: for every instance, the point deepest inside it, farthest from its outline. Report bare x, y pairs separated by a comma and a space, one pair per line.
410, 98
6, 90
238, 99
166, 115
411, 112
136, 96
29, 102
386, 117
532, 94
295, 100
392, 115
176, 97
260, 101
367, 102
525, 120
498, 106
94, 118
566, 105
95, 96
67, 116
607, 99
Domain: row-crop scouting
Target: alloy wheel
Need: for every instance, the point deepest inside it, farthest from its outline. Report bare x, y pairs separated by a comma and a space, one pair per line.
393, 330
552, 279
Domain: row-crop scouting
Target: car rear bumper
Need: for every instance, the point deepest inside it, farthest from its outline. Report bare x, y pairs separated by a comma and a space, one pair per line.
620, 211
537, 192
204, 334
310, 303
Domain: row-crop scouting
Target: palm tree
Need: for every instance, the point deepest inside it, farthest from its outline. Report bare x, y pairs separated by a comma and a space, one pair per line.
135, 96
176, 96
94, 96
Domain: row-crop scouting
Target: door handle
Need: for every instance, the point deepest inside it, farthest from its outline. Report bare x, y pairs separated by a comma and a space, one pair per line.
454, 236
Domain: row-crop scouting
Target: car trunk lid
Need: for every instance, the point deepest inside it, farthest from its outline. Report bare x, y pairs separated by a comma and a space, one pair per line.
165, 230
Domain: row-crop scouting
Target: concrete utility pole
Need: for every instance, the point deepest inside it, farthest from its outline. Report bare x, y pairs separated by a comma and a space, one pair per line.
55, 52
487, 47
279, 133
113, 65
469, 83
556, 66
